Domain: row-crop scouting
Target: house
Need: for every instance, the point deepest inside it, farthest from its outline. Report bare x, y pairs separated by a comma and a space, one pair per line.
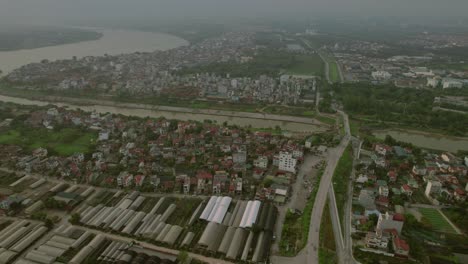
367, 199
139, 179
459, 194
406, 189
433, 188
381, 75
124, 179
287, 162
383, 191
419, 170
400, 152
362, 178
7, 202
382, 149
239, 157
392, 176
103, 136
261, 162
390, 221
400, 247
373, 240
204, 181
220, 182
382, 201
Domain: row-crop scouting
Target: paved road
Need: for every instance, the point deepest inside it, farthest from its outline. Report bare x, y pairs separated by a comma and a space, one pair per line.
306, 167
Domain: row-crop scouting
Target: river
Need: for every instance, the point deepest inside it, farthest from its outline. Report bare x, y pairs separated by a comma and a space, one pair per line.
113, 42
426, 140
294, 124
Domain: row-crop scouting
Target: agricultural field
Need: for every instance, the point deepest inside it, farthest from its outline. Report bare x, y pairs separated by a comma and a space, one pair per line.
306, 65
64, 142
436, 220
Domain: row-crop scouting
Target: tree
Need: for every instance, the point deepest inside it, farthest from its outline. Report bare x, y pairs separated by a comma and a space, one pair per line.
183, 257
75, 219
48, 223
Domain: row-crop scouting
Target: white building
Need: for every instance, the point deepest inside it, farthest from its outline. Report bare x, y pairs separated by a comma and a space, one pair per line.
433, 187
433, 82
389, 221
287, 162
451, 83
381, 75
261, 162
383, 190
239, 157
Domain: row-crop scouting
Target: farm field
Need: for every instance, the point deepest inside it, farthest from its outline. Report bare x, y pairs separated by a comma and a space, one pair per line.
437, 221
63, 142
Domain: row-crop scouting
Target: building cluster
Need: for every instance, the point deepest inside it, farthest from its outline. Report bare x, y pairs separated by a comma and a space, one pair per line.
286, 89
161, 155
135, 72
362, 61
389, 178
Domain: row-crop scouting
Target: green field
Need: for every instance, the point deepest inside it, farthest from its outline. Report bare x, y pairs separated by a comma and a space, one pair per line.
333, 72
62, 142
306, 65
437, 221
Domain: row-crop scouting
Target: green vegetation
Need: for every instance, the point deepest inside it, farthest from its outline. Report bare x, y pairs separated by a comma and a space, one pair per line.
296, 226
268, 62
389, 105
333, 72
354, 127
436, 220
306, 65
327, 254
61, 141
341, 178
458, 216
371, 258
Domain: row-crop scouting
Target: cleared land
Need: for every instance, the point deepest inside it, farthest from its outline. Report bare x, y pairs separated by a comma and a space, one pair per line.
63, 142
437, 221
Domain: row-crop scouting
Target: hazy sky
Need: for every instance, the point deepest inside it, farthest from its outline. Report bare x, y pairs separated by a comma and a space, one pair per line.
44, 11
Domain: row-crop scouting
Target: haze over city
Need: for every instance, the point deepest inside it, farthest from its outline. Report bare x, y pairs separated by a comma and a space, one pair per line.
234, 131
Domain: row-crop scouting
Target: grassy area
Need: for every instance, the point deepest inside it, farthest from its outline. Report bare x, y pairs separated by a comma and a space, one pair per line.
340, 180
63, 142
327, 254
296, 226
458, 216
436, 220
371, 258
306, 65
326, 119
354, 126
333, 72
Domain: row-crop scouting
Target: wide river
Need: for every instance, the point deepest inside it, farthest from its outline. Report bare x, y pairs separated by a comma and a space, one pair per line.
426, 140
113, 42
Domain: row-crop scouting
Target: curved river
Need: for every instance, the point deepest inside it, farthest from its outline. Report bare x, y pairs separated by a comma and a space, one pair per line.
113, 42
116, 42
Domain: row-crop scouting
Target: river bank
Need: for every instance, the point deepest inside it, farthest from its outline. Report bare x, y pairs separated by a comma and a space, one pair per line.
425, 139
112, 42
255, 120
